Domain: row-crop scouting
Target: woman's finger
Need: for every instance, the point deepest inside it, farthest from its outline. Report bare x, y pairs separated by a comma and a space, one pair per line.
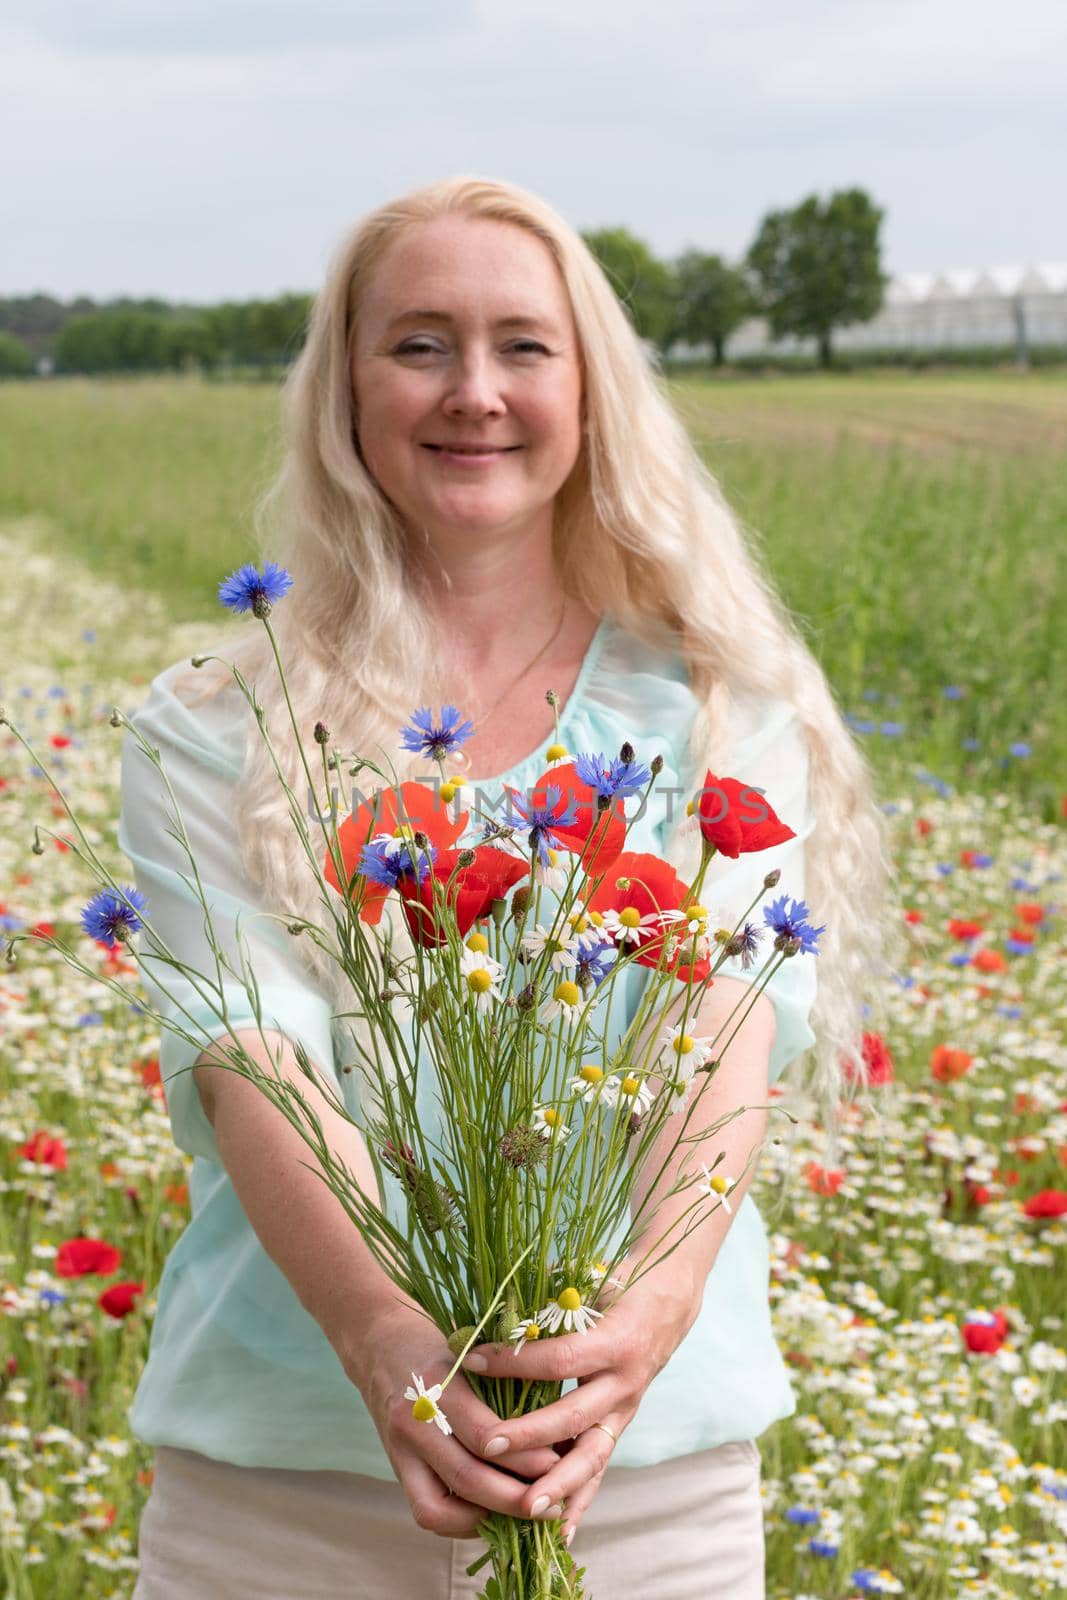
570, 1355
474, 1423
578, 1504
577, 1469
528, 1464
432, 1506
564, 1419
462, 1473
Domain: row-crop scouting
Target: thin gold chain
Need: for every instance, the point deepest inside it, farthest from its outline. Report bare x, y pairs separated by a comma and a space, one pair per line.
549, 642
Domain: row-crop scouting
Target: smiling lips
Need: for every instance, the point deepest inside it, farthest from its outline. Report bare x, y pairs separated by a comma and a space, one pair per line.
472, 452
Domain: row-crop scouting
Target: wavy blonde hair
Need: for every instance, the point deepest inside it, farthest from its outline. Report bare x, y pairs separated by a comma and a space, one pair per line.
641, 531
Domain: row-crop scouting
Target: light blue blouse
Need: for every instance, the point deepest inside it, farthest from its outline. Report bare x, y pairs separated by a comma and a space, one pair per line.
238, 1370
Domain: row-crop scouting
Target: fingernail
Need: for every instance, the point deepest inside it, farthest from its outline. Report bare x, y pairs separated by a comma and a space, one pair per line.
474, 1363
568, 1536
496, 1447
553, 1512
539, 1505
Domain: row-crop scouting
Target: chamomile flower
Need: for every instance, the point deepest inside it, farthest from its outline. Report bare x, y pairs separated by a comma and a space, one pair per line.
562, 948
569, 1313
550, 1121
631, 1090
717, 1186
566, 1003
425, 1407
548, 873
686, 1052
482, 977
629, 928
587, 928
589, 1082
528, 1329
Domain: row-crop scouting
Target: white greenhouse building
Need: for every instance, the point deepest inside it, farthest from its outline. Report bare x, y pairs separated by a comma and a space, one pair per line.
1011, 308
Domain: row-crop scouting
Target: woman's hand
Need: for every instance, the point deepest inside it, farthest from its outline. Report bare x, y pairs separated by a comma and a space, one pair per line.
614, 1365
448, 1482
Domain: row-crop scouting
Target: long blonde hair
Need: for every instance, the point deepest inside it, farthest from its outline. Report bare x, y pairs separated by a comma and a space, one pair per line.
641, 531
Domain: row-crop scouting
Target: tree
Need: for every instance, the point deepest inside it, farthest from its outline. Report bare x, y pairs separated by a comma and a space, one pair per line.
16, 358
644, 284
712, 298
818, 267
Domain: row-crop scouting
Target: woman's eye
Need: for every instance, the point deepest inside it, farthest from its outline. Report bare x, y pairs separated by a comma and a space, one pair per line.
525, 347
416, 347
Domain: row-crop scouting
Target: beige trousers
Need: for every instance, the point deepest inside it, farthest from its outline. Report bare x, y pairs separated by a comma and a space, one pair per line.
688, 1529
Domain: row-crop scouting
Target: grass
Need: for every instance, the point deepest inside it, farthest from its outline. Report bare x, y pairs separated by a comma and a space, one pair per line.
914, 525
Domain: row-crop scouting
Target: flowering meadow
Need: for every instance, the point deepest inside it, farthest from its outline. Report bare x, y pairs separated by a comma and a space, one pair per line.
917, 1267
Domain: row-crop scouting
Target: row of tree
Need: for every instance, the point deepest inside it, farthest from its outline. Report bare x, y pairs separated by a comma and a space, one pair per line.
809, 270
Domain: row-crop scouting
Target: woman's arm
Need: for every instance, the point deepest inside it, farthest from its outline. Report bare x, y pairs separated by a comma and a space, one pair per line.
378, 1333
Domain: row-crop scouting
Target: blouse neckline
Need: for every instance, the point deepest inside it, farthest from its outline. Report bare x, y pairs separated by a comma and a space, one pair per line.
571, 707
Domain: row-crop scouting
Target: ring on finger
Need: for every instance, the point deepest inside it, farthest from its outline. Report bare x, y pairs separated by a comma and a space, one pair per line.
605, 1429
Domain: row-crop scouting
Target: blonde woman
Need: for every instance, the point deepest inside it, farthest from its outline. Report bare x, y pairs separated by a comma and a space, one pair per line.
485, 494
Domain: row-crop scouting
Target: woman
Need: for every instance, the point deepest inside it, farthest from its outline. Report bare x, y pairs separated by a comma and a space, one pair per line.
485, 495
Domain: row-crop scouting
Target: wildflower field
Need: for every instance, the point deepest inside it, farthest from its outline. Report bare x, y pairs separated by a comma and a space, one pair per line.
916, 526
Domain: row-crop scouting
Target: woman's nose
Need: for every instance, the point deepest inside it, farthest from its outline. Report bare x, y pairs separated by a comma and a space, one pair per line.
475, 389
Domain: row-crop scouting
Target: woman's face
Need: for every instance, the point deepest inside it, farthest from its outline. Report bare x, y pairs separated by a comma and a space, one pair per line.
467, 379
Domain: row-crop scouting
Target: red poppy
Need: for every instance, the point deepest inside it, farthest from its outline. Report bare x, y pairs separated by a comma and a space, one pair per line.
947, 1064
923, 826
985, 1332
489, 877
989, 961
606, 829
1030, 912
965, 930
46, 1151
78, 1257
176, 1193
877, 1062
651, 887
738, 819
1047, 1203
58, 741
43, 930
414, 807
970, 858
977, 1193
1022, 935
118, 1300
823, 1180
913, 916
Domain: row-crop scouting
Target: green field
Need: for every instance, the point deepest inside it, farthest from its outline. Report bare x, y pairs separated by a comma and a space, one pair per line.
915, 526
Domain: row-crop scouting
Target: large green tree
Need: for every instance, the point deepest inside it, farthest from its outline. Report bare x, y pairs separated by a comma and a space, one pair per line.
818, 266
644, 284
16, 358
712, 299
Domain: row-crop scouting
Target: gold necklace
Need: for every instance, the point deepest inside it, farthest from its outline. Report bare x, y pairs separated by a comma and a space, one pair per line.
459, 758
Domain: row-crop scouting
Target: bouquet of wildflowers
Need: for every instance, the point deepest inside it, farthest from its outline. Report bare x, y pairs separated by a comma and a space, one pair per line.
506, 1122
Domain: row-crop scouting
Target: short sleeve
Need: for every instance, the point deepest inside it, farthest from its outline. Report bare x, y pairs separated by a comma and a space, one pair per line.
202, 750
768, 752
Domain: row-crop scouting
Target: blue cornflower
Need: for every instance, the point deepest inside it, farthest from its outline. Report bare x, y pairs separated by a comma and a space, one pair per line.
610, 778
1022, 884
862, 725
970, 744
892, 730
90, 1019
1009, 1011
868, 1580
436, 739
89, 635
960, 959
1020, 749
804, 1516
111, 916
387, 859
945, 868
890, 808
790, 923
52, 1297
10, 923
57, 692
1057, 1490
872, 694
980, 859
1018, 947
248, 589
745, 944
953, 691
823, 1547
595, 964
540, 820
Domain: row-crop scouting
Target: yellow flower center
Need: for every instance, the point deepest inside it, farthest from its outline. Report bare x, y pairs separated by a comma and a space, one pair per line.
552, 857
567, 993
719, 1184
447, 792
479, 980
551, 1117
591, 1074
424, 1409
630, 1084
533, 1331
569, 1300
404, 830
630, 917
478, 941
596, 919
578, 921
684, 1043
691, 808
556, 752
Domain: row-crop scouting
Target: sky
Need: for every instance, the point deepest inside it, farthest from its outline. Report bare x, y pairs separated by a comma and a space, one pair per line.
209, 149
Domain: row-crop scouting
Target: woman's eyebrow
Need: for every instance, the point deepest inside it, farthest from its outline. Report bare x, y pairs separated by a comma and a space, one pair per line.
521, 320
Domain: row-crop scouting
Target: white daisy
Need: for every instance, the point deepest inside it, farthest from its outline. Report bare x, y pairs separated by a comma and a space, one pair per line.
717, 1186
587, 928
482, 978
550, 1121
551, 877
566, 1002
629, 927
425, 1407
685, 1052
563, 948
633, 1091
568, 1312
589, 1082
529, 1328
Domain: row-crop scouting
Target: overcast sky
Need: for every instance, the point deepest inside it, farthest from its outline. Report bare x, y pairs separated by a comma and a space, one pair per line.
201, 149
